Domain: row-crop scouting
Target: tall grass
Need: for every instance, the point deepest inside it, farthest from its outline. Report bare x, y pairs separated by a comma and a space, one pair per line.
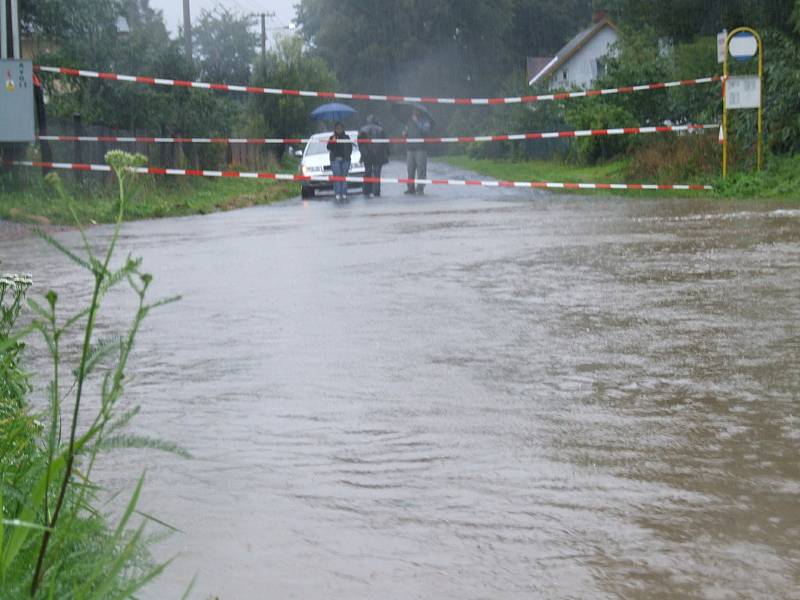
54, 540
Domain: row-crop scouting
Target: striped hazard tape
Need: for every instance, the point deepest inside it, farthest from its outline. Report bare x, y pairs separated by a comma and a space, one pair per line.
386, 180
378, 97
390, 140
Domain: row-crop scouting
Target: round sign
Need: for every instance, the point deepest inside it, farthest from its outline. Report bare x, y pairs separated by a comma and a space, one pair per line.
743, 46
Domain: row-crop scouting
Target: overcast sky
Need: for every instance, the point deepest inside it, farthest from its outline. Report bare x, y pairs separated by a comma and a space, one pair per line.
173, 9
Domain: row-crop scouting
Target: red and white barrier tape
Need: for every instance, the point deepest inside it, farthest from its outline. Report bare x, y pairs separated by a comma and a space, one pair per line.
386, 180
391, 140
379, 97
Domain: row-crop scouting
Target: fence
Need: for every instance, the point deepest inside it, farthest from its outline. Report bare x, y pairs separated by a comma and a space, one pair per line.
173, 156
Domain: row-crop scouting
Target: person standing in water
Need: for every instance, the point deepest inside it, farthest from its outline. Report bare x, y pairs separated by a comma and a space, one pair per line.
374, 156
416, 155
340, 153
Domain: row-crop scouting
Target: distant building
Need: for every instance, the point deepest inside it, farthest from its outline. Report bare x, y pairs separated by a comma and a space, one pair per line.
581, 61
34, 46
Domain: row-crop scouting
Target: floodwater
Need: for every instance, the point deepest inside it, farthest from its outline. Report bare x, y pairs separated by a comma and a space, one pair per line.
474, 394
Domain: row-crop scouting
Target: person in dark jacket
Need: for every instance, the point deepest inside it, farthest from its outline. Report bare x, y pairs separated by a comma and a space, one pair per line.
416, 155
340, 153
374, 156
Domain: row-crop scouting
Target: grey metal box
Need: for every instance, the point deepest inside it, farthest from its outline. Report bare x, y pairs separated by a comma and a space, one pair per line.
16, 101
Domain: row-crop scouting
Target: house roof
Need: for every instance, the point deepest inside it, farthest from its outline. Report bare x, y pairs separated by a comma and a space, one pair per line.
536, 64
572, 48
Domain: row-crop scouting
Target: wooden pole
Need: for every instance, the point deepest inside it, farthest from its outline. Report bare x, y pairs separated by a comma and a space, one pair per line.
263, 34
4, 28
187, 30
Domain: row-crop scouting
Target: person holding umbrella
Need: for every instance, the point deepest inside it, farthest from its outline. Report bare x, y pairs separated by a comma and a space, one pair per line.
416, 155
374, 156
340, 159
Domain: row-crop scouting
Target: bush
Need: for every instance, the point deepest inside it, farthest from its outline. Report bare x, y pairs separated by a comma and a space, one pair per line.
782, 91
598, 114
676, 158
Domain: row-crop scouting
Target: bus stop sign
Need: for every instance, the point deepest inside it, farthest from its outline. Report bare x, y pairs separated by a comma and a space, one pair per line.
743, 46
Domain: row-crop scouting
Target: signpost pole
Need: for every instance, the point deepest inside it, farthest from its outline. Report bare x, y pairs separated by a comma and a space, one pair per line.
3, 29
725, 112
760, 144
15, 45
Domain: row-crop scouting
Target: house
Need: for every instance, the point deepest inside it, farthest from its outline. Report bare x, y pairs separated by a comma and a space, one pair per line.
581, 61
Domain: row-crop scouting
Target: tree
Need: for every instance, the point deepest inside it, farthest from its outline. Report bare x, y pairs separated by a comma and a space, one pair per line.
288, 66
541, 27
447, 47
225, 45
83, 29
684, 19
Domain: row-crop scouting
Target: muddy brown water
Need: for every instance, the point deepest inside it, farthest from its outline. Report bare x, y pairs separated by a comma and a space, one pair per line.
474, 394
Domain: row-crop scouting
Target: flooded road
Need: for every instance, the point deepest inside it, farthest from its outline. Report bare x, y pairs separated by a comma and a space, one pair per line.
473, 394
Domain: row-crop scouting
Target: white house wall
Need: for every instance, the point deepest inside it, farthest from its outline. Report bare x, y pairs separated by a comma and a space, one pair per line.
581, 69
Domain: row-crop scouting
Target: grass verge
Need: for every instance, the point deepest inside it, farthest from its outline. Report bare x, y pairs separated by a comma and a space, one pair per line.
152, 198
560, 172
779, 180
540, 170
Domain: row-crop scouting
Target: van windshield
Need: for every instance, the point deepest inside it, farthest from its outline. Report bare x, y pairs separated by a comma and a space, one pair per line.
321, 147
316, 147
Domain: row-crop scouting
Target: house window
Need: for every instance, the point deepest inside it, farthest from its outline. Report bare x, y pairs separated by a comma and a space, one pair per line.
601, 66
564, 74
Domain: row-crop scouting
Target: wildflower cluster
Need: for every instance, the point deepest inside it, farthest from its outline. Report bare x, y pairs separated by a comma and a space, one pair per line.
12, 291
14, 280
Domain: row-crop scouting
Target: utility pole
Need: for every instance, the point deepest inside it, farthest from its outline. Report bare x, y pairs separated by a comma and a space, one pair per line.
263, 34
264, 16
9, 30
187, 30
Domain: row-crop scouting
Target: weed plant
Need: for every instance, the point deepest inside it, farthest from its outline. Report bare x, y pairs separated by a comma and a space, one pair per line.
54, 540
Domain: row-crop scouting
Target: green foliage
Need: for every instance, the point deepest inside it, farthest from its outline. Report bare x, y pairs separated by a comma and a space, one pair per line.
289, 65
442, 47
82, 28
685, 157
225, 45
541, 27
150, 197
225, 52
684, 19
641, 58
601, 114
54, 542
780, 179
782, 90
14, 384
692, 56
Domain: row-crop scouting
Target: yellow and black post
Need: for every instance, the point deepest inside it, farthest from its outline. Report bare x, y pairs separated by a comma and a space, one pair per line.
742, 92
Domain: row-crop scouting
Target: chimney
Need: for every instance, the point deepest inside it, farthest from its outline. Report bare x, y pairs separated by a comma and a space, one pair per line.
599, 15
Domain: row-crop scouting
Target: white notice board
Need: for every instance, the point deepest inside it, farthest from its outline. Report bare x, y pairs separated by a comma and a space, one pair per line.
743, 92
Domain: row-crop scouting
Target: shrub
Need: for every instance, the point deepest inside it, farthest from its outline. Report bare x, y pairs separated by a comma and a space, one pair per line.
676, 158
54, 542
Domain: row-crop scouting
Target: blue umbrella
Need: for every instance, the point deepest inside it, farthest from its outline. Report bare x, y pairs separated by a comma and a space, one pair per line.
333, 111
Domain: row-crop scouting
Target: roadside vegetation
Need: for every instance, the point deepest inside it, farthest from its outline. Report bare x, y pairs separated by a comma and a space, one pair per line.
151, 197
779, 180
56, 539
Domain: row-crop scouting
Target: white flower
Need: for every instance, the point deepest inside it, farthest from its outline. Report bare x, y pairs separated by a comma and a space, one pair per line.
16, 281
